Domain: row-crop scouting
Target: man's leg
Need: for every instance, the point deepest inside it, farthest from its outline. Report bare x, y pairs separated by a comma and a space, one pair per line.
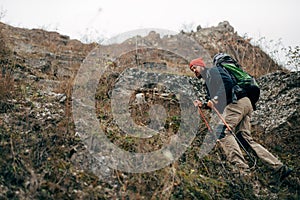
234, 114
233, 152
244, 130
281, 171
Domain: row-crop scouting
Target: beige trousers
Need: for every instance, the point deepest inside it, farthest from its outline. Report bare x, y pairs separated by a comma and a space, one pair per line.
238, 117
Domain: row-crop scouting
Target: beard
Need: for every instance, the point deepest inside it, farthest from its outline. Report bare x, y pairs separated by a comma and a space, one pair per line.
198, 75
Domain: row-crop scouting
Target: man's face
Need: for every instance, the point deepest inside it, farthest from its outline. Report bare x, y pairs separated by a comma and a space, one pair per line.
197, 70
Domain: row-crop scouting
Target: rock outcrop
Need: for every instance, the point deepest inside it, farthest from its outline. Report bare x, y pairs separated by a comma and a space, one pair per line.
278, 110
223, 38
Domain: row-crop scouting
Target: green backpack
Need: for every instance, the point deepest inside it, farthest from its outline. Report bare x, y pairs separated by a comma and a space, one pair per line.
240, 77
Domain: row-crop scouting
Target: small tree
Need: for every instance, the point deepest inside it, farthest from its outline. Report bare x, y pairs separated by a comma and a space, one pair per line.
293, 58
91, 35
2, 12
187, 27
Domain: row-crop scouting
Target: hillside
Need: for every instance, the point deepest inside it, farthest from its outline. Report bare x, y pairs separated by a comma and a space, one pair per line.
52, 94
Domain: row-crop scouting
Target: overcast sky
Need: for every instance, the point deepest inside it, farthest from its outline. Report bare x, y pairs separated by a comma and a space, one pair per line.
271, 19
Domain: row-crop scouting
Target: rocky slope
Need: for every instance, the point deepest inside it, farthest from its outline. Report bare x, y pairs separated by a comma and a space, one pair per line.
223, 38
44, 154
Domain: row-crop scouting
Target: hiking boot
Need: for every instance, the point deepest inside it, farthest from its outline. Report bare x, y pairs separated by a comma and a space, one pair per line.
283, 172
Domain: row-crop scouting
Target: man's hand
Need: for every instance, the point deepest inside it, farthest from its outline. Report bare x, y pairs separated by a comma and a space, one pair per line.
213, 102
210, 104
198, 103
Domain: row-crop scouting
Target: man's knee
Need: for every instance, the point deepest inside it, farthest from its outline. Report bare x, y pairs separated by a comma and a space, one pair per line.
220, 131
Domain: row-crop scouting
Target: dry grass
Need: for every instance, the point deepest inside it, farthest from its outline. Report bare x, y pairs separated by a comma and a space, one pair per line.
6, 86
6, 79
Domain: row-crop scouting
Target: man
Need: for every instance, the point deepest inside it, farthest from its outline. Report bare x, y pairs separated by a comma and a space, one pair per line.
237, 115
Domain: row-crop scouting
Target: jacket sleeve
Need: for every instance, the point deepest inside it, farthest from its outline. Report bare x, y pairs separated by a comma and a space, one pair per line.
220, 84
207, 96
226, 83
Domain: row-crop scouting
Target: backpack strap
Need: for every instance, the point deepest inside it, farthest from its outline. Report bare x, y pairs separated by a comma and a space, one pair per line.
236, 90
228, 72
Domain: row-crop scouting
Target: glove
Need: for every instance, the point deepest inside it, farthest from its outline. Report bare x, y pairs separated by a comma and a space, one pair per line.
198, 103
201, 104
211, 103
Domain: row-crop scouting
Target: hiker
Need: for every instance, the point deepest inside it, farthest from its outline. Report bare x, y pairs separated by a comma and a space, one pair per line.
237, 113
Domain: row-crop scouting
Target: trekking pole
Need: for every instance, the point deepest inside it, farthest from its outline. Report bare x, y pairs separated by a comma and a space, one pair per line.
204, 119
210, 131
230, 130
